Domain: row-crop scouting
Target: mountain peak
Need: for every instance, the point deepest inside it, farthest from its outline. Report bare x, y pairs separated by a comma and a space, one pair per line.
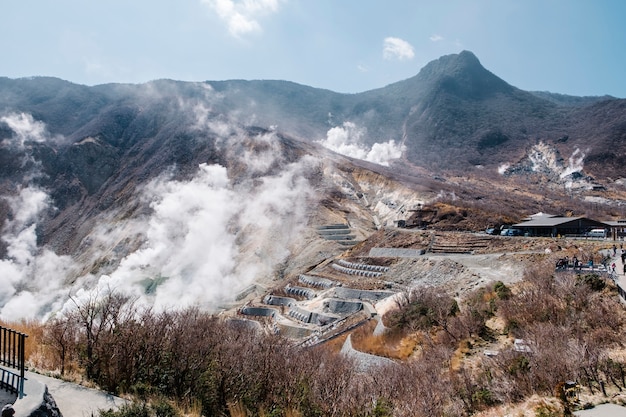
462, 75
453, 63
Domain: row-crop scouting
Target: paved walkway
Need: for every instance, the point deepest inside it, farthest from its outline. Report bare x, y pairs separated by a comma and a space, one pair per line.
603, 410
6, 398
620, 277
75, 400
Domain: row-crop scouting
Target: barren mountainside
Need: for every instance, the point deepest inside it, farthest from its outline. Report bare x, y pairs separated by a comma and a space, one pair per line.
218, 184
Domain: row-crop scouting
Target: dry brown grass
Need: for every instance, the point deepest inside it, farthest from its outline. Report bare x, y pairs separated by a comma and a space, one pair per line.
529, 408
39, 355
34, 330
392, 345
236, 409
334, 345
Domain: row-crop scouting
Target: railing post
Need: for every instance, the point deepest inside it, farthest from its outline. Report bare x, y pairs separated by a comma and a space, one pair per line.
13, 355
22, 362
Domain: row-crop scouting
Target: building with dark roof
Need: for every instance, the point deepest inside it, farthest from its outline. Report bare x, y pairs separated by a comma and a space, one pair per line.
542, 224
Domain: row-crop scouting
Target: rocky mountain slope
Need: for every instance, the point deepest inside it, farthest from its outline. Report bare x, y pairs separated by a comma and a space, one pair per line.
186, 193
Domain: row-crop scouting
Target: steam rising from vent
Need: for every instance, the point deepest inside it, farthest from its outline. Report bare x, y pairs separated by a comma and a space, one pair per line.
546, 160
30, 278
211, 237
575, 163
204, 240
347, 140
25, 127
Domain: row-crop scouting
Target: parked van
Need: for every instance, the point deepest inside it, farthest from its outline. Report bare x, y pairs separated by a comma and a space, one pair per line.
597, 233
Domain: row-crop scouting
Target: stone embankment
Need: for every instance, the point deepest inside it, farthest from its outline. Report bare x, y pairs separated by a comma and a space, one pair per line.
340, 233
342, 293
321, 303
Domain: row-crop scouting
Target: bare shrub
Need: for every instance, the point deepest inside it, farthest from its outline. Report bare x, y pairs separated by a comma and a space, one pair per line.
61, 336
424, 309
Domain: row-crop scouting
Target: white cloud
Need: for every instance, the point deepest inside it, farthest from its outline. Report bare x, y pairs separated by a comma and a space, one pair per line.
346, 140
242, 17
396, 48
436, 38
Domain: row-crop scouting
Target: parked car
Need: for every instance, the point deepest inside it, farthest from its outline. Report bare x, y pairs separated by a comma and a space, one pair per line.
511, 232
491, 231
596, 233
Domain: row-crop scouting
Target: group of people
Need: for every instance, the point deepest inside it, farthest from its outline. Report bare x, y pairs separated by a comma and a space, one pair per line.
564, 263
622, 255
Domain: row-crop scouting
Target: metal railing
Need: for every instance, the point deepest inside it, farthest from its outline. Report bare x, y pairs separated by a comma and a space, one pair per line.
621, 292
12, 355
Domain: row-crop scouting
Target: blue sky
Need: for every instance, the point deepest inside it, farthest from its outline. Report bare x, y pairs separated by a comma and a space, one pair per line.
566, 46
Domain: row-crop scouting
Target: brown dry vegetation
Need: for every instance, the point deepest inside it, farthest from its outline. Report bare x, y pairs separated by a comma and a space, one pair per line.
573, 325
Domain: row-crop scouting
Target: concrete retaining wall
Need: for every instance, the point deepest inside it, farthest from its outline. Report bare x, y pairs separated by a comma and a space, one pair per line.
342, 307
358, 272
339, 237
311, 317
300, 291
293, 331
333, 226
245, 324
323, 232
396, 253
315, 281
322, 319
349, 293
259, 311
275, 300
365, 267
300, 314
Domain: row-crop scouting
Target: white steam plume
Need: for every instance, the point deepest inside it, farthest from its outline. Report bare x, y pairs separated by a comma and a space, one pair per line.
25, 127
575, 163
210, 237
30, 278
204, 240
346, 140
